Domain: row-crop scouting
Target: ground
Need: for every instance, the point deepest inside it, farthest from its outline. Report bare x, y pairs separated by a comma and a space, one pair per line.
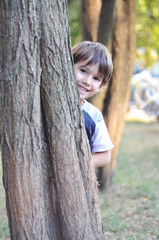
130, 208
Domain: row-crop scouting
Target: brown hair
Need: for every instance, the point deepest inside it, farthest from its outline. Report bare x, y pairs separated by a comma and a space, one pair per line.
95, 53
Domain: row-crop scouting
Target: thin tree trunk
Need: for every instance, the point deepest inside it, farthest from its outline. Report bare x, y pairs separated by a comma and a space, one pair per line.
90, 19
105, 29
116, 101
49, 181
97, 20
106, 21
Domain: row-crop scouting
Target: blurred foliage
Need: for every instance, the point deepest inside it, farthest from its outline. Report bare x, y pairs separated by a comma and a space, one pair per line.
147, 31
75, 21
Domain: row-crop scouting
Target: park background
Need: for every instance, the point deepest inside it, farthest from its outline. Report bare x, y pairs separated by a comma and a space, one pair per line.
130, 205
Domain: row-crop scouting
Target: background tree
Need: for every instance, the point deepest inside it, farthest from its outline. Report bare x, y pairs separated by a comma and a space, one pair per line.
116, 100
146, 27
146, 34
90, 19
123, 49
106, 21
48, 178
97, 20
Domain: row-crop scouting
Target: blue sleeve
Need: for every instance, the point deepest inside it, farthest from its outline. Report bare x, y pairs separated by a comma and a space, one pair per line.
90, 128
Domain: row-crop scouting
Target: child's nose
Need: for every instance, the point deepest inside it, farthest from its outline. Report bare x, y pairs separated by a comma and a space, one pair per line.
87, 80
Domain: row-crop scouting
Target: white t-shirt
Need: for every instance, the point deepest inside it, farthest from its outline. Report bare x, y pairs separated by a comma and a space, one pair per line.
96, 129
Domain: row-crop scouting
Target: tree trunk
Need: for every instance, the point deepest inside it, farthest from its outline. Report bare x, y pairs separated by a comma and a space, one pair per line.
102, 32
106, 21
90, 19
49, 181
116, 101
98, 27
97, 20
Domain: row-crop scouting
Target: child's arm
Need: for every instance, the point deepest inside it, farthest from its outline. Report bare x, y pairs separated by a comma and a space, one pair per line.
100, 159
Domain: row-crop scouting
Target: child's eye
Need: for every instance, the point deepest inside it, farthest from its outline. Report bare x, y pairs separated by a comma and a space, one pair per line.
83, 70
97, 79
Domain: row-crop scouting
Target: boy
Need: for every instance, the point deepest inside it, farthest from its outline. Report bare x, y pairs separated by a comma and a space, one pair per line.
93, 69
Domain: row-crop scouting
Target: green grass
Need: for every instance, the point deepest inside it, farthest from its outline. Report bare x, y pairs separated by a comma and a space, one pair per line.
4, 230
130, 208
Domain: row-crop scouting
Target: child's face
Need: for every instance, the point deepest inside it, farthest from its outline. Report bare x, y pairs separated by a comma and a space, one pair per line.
88, 79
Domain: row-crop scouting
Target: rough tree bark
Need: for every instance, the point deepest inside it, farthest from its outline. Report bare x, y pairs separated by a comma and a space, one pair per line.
116, 101
49, 181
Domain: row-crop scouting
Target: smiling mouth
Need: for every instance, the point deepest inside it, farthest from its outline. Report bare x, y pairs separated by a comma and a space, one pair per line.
82, 88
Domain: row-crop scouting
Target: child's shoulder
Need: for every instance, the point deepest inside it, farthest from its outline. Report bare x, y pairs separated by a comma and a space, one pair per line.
94, 112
